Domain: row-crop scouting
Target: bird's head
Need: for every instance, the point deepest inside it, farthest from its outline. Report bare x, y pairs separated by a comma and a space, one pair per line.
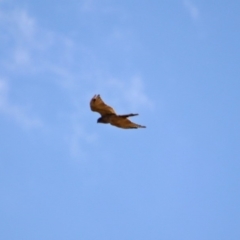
103, 119
100, 120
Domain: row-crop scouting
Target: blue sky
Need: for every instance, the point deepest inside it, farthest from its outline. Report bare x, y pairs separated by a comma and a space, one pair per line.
63, 176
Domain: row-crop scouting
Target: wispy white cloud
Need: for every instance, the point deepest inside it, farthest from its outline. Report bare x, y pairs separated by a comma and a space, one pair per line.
19, 38
131, 93
29, 47
31, 50
25, 25
192, 9
20, 43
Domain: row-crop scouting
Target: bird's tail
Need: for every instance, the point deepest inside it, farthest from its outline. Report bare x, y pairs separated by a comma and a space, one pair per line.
137, 126
128, 115
140, 126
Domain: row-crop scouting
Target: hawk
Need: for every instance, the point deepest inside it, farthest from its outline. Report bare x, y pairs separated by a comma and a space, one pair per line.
108, 115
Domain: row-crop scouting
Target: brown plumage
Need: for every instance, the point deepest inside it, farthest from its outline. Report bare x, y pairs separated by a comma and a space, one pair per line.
108, 115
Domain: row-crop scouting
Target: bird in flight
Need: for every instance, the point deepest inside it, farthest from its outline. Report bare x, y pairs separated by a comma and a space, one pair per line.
108, 115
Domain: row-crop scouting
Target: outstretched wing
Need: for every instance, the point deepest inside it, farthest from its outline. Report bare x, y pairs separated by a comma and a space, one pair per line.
98, 105
122, 122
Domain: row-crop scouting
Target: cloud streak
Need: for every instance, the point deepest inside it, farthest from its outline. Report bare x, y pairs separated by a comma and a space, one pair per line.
192, 9
131, 93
